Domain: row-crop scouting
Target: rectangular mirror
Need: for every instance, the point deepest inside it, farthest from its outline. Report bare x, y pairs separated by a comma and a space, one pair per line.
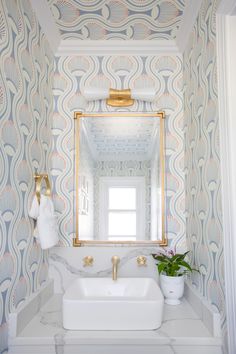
119, 171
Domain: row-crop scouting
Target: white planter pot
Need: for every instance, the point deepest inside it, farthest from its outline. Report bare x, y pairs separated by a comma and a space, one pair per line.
172, 288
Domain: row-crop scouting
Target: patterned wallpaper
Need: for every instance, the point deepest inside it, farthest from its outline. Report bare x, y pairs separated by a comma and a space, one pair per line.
25, 112
118, 19
71, 75
202, 162
86, 189
122, 139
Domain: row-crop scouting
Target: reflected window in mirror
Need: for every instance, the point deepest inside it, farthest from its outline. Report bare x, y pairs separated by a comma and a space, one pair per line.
122, 208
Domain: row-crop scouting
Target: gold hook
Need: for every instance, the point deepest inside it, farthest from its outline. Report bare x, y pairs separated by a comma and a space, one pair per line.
38, 180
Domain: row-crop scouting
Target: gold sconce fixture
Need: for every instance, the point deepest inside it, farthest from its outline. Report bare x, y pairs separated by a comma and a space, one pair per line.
119, 98
142, 261
88, 261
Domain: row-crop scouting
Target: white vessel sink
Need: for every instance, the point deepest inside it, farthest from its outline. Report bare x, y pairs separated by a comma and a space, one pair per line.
105, 304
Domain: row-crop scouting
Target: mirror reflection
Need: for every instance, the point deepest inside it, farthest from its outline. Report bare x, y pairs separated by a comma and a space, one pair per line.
120, 179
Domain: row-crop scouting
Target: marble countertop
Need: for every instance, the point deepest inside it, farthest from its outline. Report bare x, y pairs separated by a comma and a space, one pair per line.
180, 325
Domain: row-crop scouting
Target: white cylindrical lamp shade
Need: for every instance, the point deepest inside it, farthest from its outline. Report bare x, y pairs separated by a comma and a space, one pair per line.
143, 94
96, 93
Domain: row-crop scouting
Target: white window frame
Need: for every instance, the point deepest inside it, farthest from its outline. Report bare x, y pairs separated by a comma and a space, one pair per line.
107, 182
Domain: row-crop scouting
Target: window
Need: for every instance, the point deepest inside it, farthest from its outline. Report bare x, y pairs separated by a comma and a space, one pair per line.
122, 208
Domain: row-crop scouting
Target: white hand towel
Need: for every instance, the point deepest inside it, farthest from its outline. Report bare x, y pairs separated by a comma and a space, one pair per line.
47, 228
47, 223
34, 213
34, 210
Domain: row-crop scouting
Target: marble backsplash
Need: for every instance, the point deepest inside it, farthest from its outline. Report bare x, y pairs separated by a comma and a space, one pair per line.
66, 263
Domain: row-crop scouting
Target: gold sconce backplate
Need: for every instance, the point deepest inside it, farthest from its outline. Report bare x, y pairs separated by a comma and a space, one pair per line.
120, 98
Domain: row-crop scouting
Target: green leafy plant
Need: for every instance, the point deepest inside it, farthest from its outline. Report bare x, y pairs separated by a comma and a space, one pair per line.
173, 264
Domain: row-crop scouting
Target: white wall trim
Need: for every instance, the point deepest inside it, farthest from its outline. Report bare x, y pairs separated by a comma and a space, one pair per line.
205, 311
106, 47
109, 47
19, 318
226, 56
189, 17
46, 21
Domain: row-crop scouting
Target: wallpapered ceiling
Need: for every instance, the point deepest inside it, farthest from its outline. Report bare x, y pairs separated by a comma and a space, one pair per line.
202, 163
118, 19
72, 74
25, 112
124, 138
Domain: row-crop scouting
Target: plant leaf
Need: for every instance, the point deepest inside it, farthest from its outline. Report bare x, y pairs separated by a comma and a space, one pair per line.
161, 267
154, 255
186, 265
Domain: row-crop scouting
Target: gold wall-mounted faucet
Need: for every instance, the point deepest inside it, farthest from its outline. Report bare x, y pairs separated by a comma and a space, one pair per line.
115, 260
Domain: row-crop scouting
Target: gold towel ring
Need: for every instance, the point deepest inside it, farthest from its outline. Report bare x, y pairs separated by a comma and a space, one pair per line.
38, 180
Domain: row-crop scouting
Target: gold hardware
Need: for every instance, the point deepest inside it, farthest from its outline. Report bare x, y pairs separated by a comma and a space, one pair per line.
88, 261
142, 260
76, 242
38, 180
120, 98
161, 114
77, 116
115, 260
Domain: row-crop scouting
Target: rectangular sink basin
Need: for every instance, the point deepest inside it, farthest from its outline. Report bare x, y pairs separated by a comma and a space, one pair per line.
105, 304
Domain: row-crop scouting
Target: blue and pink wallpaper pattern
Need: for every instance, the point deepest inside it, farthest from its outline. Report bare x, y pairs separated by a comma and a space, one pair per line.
118, 19
202, 159
25, 142
72, 74
26, 66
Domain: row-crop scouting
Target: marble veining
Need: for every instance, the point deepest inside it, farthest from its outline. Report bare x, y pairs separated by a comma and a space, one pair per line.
66, 264
105, 272
181, 326
181, 331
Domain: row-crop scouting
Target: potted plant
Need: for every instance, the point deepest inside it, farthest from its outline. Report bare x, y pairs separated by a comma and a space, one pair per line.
172, 267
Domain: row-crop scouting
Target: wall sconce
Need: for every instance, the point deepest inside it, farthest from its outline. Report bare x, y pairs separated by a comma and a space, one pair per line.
119, 98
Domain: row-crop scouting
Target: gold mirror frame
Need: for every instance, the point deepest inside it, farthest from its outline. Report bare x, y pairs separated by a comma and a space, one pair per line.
77, 115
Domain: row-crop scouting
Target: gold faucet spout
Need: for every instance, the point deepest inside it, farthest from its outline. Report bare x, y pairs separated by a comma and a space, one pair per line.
115, 260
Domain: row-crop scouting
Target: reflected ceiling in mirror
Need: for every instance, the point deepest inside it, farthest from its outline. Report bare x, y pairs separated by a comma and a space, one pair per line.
119, 175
